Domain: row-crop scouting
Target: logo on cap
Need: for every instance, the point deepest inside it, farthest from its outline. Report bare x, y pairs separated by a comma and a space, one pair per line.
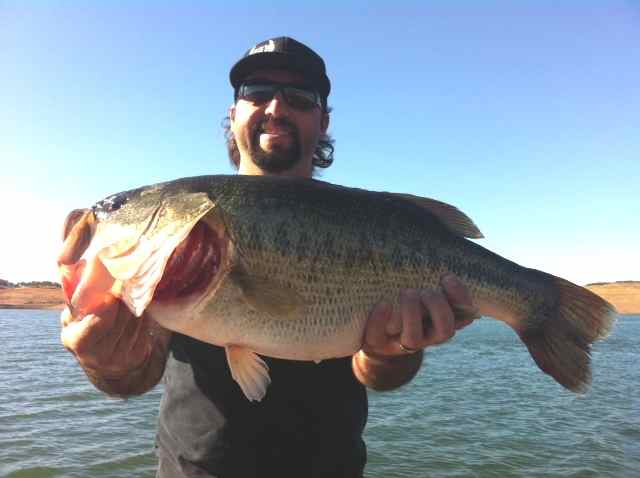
266, 47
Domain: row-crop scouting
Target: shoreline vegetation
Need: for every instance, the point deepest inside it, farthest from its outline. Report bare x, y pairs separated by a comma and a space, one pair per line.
624, 295
31, 298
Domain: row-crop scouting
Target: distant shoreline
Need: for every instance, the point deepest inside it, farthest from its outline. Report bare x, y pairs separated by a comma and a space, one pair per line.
43, 298
624, 295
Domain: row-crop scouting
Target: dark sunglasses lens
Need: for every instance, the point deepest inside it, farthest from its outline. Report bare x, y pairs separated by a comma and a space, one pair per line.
257, 93
260, 93
300, 99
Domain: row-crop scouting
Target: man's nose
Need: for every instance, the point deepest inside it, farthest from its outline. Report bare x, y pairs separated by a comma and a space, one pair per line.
277, 106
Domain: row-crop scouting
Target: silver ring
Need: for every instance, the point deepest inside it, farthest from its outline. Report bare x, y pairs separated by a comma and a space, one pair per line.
406, 349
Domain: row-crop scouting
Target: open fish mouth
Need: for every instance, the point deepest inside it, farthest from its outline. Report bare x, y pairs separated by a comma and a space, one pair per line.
191, 269
192, 266
172, 255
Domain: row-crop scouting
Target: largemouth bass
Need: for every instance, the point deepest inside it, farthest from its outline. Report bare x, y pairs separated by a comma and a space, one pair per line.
291, 268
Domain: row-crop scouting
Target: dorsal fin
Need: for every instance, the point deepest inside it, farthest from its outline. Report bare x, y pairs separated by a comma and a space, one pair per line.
454, 219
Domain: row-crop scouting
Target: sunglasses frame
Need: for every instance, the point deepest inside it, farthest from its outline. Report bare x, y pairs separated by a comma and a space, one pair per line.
285, 88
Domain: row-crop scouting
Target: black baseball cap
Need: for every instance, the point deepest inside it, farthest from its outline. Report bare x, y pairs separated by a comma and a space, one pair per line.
285, 53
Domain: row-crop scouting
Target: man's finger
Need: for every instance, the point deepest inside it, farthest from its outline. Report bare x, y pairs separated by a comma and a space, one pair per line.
123, 318
65, 317
393, 326
375, 335
459, 299
128, 330
462, 323
76, 234
411, 311
141, 334
442, 328
82, 335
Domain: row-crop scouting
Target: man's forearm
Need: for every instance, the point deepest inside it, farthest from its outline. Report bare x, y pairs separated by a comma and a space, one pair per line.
135, 381
386, 372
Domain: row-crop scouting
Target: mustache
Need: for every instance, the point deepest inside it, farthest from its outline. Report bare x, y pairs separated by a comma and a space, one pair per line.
280, 123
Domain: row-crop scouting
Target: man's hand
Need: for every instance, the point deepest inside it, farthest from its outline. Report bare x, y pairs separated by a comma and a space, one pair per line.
391, 354
121, 354
423, 318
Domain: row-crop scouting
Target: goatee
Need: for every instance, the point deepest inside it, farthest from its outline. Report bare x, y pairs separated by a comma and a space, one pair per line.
281, 159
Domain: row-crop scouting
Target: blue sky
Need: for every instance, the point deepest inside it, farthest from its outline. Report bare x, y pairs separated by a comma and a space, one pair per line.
525, 115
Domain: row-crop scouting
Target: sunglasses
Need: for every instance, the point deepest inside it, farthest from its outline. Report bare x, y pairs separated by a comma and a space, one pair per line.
299, 97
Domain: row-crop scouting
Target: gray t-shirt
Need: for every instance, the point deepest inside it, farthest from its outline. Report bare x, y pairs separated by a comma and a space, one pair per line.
309, 424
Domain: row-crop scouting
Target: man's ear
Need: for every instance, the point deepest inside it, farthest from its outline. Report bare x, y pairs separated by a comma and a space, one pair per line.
324, 122
232, 112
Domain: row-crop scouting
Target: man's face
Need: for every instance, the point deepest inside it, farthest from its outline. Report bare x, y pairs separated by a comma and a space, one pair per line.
275, 138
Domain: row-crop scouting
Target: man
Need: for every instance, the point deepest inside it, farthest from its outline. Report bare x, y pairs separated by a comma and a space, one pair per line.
310, 423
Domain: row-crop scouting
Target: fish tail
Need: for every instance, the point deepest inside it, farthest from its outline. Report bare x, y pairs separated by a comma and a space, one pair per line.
559, 337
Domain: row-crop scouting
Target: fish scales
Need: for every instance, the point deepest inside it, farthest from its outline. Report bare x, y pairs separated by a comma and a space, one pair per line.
351, 257
333, 261
421, 248
303, 262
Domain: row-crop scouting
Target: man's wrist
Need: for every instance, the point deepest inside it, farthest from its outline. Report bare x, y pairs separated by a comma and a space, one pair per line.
386, 372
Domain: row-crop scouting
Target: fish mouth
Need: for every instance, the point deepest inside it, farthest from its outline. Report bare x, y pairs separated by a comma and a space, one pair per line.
192, 266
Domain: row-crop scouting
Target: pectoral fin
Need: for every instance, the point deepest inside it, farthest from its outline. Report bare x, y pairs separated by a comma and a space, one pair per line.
267, 295
249, 371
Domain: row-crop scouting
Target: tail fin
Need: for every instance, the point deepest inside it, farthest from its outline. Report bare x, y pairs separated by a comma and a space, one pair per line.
560, 341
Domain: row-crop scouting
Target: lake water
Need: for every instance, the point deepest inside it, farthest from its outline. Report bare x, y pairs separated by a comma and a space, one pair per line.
479, 408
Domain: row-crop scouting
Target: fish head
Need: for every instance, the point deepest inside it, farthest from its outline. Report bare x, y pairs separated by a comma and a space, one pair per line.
153, 243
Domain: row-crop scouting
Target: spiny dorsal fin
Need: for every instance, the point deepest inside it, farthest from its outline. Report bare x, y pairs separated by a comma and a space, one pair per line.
266, 295
451, 216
